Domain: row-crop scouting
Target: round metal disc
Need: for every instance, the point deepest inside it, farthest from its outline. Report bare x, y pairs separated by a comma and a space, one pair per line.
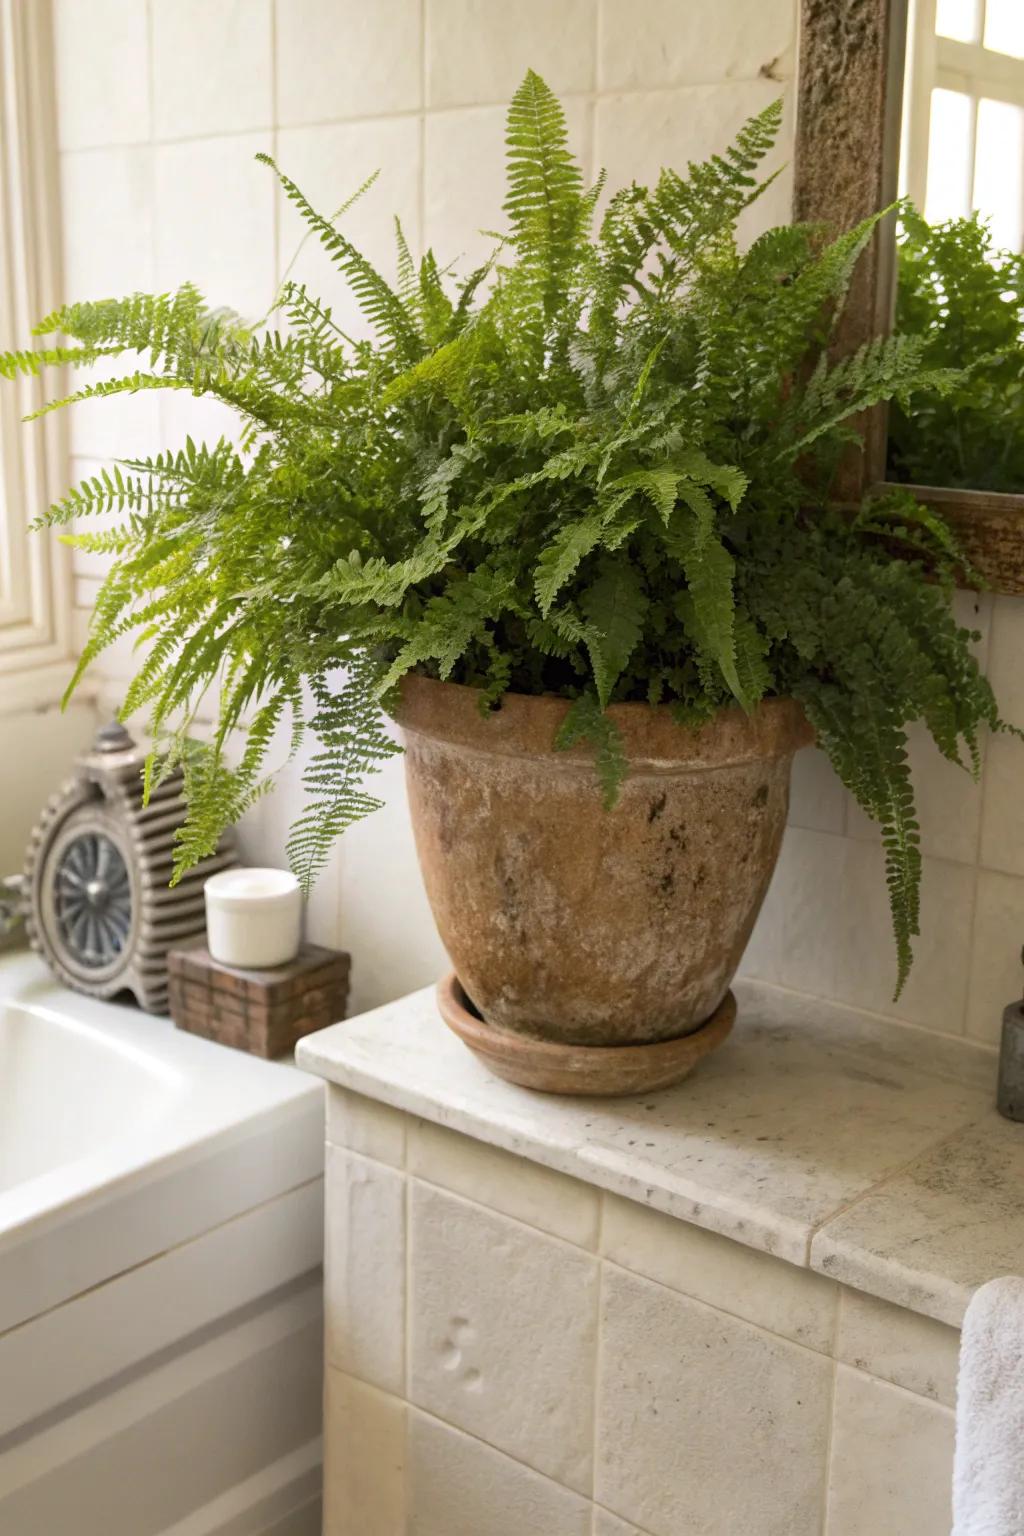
92, 899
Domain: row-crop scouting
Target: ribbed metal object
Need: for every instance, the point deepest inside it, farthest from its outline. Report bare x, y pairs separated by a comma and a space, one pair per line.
96, 892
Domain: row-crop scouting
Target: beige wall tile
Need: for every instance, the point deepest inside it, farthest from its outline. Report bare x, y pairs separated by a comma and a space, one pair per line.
1006, 656
705, 1423
124, 426
640, 132
936, 993
199, 417
1002, 826
387, 918
996, 976
503, 1333
791, 944
461, 1487
503, 1182
751, 1285
817, 799
364, 1459
648, 43
108, 190
825, 929
892, 1461
478, 52
330, 164
363, 1125
636, 135
48, 742
364, 1269
233, 88
900, 1346
343, 59
102, 53
215, 221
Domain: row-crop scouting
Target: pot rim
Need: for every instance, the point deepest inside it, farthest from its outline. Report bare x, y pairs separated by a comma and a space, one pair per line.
525, 725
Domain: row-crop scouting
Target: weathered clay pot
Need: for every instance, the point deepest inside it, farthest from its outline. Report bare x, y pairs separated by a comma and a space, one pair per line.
570, 923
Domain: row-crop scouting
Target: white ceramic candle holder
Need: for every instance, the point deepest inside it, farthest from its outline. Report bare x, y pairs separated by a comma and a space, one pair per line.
253, 917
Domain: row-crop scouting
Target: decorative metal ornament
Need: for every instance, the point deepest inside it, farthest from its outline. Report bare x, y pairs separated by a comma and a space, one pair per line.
96, 890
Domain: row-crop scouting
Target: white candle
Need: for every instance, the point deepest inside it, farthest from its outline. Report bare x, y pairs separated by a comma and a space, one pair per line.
253, 917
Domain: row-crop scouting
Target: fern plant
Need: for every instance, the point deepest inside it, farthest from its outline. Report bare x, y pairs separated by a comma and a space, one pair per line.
965, 299
597, 467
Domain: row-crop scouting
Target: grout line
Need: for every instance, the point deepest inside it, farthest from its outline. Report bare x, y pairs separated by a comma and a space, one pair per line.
887, 1178
412, 1407
421, 178
592, 104
972, 931
276, 224
872, 1015
406, 112
604, 1509
982, 790
896, 1386
596, 1388
826, 1481
430, 1181
733, 1317
407, 1310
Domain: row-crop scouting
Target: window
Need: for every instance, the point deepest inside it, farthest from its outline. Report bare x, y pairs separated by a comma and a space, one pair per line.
963, 113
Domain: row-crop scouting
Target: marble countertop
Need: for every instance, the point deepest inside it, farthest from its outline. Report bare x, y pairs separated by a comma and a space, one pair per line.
835, 1140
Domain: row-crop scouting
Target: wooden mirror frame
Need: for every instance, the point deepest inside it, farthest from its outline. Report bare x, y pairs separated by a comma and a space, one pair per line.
849, 104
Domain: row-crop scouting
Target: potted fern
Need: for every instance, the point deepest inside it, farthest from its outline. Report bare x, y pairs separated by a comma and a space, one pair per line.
565, 518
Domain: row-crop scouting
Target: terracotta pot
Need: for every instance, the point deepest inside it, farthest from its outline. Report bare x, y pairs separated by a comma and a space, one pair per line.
570, 923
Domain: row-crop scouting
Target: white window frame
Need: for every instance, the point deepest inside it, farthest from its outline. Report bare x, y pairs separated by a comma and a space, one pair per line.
37, 636
944, 63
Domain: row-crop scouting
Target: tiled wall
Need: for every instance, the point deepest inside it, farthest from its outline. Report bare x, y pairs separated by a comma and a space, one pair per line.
514, 1352
164, 104
825, 925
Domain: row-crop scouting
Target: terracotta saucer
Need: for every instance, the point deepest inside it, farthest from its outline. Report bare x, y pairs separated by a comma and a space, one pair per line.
551, 1067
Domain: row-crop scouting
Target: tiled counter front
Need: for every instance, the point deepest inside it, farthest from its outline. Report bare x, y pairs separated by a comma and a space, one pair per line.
514, 1352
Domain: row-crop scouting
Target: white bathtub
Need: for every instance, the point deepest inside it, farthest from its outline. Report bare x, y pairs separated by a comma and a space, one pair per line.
160, 1244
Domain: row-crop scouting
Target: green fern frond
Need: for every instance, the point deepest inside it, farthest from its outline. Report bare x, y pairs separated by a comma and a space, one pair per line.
595, 468
351, 726
378, 301
544, 202
587, 721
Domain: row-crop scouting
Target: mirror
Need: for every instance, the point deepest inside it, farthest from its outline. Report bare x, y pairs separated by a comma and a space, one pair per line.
959, 267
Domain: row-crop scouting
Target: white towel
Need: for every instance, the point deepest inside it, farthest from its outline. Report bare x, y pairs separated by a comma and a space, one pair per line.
988, 1470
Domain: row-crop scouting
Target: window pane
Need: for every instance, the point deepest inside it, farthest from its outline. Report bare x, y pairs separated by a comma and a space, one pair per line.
959, 19
1004, 27
948, 194
999, 170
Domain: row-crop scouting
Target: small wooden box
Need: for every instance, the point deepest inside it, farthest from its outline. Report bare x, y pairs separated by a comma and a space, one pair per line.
264, 1012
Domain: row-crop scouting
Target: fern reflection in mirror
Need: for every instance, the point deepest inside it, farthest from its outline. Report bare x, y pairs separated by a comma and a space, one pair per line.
597, 466
965, 299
